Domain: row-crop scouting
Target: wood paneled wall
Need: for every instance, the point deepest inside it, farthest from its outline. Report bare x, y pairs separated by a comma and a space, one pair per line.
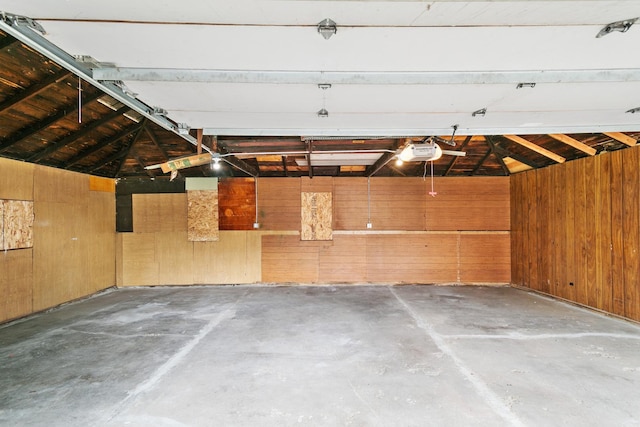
459, 236
575, 231
73, 252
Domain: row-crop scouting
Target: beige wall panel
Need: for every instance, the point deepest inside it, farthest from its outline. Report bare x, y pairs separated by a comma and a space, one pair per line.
119, 260
60, 253
279, 203
421, 258
105, 185
159, 212
60, 186
316, 216
16, 283
174, 254
485, 258
139, 264
398, 203
1, 224
344, 260
350, 210
287, 259
102, 235
16, 180
234, 259
469, 203
202, 216
17, 224
317, 184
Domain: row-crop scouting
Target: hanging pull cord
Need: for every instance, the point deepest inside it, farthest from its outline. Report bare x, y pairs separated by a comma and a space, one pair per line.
432, 193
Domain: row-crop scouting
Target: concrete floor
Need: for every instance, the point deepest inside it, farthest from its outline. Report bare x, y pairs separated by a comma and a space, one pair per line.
275, 356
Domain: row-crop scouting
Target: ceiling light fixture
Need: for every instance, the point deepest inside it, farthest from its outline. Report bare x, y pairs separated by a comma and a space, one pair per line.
216, 164
622, 26
327, 28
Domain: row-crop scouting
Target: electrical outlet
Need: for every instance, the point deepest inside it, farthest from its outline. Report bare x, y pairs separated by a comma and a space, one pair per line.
256, 225
369, 225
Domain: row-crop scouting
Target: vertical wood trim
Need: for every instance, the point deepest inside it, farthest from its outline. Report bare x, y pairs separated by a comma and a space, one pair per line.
617, 234
603, 233
544, 229
532, 232
631, 231
580, 258
567, 290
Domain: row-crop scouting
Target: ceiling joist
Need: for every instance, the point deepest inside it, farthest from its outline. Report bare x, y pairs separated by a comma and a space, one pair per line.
621, 137
574, 143
533, 147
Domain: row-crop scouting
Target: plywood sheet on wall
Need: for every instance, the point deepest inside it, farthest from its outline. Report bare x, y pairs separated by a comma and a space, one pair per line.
317, 184
286, 258
351, 210
17, 180
485, 258
316, 216
202, 215
279, 203
101, 245
106, 185
60, 186
139, 264
16, 284
344, 260
17, 224
234, 259
159, 212
236, 203
174, 255
398, 204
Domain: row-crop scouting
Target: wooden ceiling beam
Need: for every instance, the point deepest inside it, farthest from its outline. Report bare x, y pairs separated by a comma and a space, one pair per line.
34, 128
494, 150
621, 137
481, 162
536, 148
453, 161
574, 143
74, 136
105, 142
33, 90
242, 165
503, 152
130, 148
7, 41
155, 141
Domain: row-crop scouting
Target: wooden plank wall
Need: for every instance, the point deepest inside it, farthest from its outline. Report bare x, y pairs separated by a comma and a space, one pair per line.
459, 236
575, 231
73, 252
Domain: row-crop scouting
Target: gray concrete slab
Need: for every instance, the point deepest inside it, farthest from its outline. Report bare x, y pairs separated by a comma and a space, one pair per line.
364, 355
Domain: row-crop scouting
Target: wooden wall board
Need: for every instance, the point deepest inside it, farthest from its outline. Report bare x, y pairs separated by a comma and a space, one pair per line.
139, 264
279, 203
422, 258
16, 179
17, 224
567, 287
234, 259
617, 233
581, 225
602, 224
631, 230
485, 258
106, 185
350, 204
202, 216
587, 295
1, 224
316, 216
287, 259
119, 260
16, 284
344, 260
60, 252
468, 203
544, 230
532, 232
59, 186
317, 184
174, 256
102, 241
159, 212
398, 203
237, 203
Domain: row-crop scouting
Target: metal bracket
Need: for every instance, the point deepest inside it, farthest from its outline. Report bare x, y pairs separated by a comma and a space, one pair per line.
622, 26
522, 85
23, 21
634, 110
480, 112
327, 28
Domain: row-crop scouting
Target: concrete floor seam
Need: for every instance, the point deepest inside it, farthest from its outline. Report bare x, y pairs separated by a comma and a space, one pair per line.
483, 390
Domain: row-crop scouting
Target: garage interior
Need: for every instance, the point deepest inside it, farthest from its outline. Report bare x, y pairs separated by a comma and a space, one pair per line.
205, 220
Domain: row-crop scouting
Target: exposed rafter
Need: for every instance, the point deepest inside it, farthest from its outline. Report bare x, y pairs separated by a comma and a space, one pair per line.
574, 143
534, 147
453, 161
621, 137
104, 143
33, 90
492, 146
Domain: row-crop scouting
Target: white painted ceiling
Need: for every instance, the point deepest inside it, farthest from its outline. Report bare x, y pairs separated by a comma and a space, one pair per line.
397, 68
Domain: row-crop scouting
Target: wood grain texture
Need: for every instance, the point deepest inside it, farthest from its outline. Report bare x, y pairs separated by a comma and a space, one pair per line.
617, 233
344, 260
101, 241
234, 259
485, 258
202, 216
398, 203
16, 284
174, 256
316, 216
139, 264
60, 186
17, 224
631, 230
350, 204
287, 259
237, 203
279, 203
16, 179
105, 185
159, 212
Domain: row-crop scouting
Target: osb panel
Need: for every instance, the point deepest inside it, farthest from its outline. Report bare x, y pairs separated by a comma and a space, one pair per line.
468, 203
287, 259
412, 258
17, 224
398, 203
350, 207
174, 255
159, 212
234, 259
16, 180
344, 260
60, 186
202, 216
279, 203
139, 264
60, 253
317, 184
316, 216
102, 251
16, 284
236, 203
485, 258
106, 185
